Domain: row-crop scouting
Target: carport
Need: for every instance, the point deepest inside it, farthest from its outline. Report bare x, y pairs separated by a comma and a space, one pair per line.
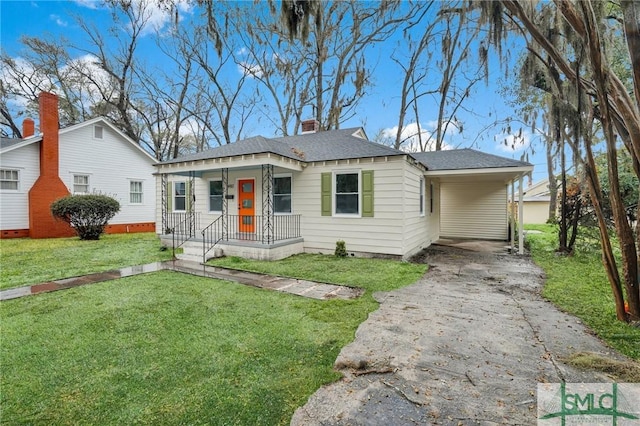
474, 193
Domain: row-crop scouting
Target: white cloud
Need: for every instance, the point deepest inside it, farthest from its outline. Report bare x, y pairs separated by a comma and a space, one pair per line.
510, 142
242, 51
58, 20
157, 17
417, 137
250, 70
90, 4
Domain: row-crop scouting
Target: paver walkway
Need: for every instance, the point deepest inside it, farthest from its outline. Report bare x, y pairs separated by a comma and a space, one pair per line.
310, 289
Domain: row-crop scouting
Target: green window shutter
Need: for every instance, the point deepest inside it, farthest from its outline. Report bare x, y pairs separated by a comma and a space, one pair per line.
326, 194
169, 196
367, 193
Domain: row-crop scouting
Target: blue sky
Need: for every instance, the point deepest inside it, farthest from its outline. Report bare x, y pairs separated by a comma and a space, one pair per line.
377, 112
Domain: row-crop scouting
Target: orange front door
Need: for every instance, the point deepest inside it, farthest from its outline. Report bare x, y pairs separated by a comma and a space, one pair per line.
246, 205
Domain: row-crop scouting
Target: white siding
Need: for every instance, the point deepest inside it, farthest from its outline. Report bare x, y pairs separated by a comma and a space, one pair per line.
381, 234
111, 163
418, 232
474, 210
14, 205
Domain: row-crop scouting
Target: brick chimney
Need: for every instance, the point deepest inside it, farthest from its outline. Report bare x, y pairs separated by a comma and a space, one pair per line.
310, 126
28, 128
48, 187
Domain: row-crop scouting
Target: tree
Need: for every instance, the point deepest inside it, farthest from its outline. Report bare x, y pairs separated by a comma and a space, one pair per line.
583, 64
87, 214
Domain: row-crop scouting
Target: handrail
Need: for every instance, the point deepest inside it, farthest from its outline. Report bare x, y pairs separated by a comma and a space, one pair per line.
211, 231
185, 230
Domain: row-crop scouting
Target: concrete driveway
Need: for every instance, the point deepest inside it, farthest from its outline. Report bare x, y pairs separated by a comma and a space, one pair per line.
467, 344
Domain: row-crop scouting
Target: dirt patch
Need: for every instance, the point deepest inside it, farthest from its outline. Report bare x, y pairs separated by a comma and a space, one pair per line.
467, 344
620, 371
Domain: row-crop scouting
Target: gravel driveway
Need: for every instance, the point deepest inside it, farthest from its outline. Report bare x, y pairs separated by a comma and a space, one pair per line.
467, 344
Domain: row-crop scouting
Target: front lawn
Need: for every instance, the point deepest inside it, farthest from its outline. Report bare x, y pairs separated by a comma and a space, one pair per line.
578, 284
25, 261
170, 348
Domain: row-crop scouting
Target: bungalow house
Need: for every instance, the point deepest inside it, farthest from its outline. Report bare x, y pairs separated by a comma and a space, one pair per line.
536, 202
93, 156
268, 198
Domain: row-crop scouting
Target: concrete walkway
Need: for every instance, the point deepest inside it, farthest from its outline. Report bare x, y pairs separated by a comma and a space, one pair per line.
310, 289
465, 345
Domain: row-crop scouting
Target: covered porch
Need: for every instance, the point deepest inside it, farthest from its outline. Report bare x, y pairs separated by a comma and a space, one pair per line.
237, 206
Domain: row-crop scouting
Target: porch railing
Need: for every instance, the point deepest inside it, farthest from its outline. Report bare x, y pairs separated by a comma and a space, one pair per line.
259, 229
181, 226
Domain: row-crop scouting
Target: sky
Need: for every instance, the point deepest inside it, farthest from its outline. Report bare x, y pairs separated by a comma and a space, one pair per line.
376, 112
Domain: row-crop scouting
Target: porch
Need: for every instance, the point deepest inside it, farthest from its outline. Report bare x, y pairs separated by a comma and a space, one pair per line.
260, 237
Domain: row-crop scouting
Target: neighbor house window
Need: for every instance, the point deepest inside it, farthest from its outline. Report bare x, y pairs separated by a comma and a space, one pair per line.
80, 184
135, 192
179, 196
9, 179
422, 196
282, 194
97, 132
216, 193
347, 194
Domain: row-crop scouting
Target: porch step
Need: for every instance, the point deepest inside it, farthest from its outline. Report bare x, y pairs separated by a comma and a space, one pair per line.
193, 252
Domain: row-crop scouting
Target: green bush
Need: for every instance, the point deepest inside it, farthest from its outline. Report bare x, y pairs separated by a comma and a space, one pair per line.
341, 249
87, 214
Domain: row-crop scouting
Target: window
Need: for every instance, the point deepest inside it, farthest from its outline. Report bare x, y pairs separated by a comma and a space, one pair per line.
9, 179
135, 192
347, 193
282, 194
97, 132
422, 196
80, 184
216, 193
179, 196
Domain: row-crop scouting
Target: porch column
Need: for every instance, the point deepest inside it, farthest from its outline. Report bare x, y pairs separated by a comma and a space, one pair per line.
225, 210
164, 203
512, 218
267, 203
520, 217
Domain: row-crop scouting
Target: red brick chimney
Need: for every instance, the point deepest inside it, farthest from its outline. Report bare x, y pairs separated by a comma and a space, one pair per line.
48, 187
310, 126
28, 128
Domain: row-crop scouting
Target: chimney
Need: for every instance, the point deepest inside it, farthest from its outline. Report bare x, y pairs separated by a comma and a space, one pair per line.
310, 126
49, 150
48, 187
28, 128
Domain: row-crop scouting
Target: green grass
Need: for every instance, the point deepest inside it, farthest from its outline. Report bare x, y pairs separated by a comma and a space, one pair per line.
26, 261
578, 284
169, 348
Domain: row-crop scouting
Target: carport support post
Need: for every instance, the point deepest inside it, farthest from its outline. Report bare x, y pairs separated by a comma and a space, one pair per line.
520, 218
512, 215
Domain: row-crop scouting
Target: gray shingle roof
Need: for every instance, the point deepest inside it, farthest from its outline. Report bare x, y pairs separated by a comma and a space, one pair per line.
7, 142
342, 144
460, 159
320, 146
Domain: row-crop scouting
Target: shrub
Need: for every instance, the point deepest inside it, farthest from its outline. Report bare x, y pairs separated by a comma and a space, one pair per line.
341, 249
87, 214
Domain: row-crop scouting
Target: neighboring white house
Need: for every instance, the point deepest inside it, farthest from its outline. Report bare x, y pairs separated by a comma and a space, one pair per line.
272, 197
90, 157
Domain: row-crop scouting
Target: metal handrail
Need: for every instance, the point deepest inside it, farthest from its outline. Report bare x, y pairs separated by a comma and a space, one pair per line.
185, 230
211, 231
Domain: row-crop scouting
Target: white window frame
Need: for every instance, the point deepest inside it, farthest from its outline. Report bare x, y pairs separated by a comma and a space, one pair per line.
279, 176
174, 195
98, 134
334, 193
209, 196
88, 184
17, 180
131, 192
422, 195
